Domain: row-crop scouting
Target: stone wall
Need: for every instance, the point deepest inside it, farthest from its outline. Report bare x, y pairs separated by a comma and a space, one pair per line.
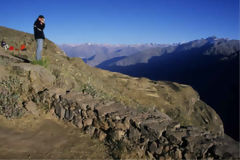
131, 133
128, 132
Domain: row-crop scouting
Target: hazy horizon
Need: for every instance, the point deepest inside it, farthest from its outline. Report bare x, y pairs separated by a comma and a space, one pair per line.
147, 43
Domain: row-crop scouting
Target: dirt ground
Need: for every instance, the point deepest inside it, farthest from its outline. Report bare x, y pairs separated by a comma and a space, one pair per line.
45, 137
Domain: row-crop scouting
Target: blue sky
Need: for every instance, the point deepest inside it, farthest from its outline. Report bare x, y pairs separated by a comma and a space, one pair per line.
125, 21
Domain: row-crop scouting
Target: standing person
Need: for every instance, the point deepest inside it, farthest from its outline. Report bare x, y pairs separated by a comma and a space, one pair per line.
39, 26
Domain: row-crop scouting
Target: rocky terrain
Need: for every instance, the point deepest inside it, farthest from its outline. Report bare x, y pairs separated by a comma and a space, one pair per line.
211, 66
132, 117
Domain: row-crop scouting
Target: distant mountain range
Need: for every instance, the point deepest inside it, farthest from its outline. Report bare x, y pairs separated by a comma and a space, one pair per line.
211, 66
209, 46
95, 54
61, 101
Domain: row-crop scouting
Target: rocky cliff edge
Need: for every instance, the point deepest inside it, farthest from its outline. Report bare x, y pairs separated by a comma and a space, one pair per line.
135, 117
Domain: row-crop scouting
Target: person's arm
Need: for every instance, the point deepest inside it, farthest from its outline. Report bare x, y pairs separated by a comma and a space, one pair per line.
42, 23
43, 26
39, 26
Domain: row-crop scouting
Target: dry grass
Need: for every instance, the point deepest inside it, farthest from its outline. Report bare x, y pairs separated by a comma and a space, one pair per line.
74, 74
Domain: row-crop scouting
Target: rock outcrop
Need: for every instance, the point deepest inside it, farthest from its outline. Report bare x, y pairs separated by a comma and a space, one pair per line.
189, 130
180, 102
149, 134
128, 132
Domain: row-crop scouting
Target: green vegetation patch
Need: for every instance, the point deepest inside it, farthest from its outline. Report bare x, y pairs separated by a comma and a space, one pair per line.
43, 62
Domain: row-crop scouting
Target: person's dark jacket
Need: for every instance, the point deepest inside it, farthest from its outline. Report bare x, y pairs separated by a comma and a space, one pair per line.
38, 30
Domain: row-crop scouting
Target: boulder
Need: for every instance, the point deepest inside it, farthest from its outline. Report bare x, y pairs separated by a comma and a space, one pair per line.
175, 137
134, 134
87, 122
90, 130
60, 111
178, 154
78, 122
39, 76
68, 115
117, 135
32, 108
120, 125
90, 113
102, 136
84, 114
166, 148
103, 110
159, 150
153, 147
150, 155
102, 124
161, 158
153, 128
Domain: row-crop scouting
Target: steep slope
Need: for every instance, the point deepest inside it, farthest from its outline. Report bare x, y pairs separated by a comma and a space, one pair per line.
127, 133
168, 97
211, 66
73, 74
96, 101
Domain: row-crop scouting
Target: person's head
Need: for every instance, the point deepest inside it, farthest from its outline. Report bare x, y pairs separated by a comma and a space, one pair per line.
41, 18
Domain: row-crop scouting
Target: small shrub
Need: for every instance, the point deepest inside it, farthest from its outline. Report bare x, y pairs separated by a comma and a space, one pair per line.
10, 93
142, 109
56, 73
87, 88
42, 62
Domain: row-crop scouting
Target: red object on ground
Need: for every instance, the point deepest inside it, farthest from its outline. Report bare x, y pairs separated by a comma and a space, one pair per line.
11, 48
23, 47
16, 49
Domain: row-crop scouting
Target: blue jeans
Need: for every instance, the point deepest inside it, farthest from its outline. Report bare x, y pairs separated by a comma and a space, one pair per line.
39, 49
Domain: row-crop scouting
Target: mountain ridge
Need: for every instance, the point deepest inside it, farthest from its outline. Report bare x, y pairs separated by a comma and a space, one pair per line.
124, 111
210, 65
220, 46
93, 53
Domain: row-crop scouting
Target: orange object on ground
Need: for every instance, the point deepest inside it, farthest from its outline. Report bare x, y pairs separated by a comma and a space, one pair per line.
11, 48
23, 47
